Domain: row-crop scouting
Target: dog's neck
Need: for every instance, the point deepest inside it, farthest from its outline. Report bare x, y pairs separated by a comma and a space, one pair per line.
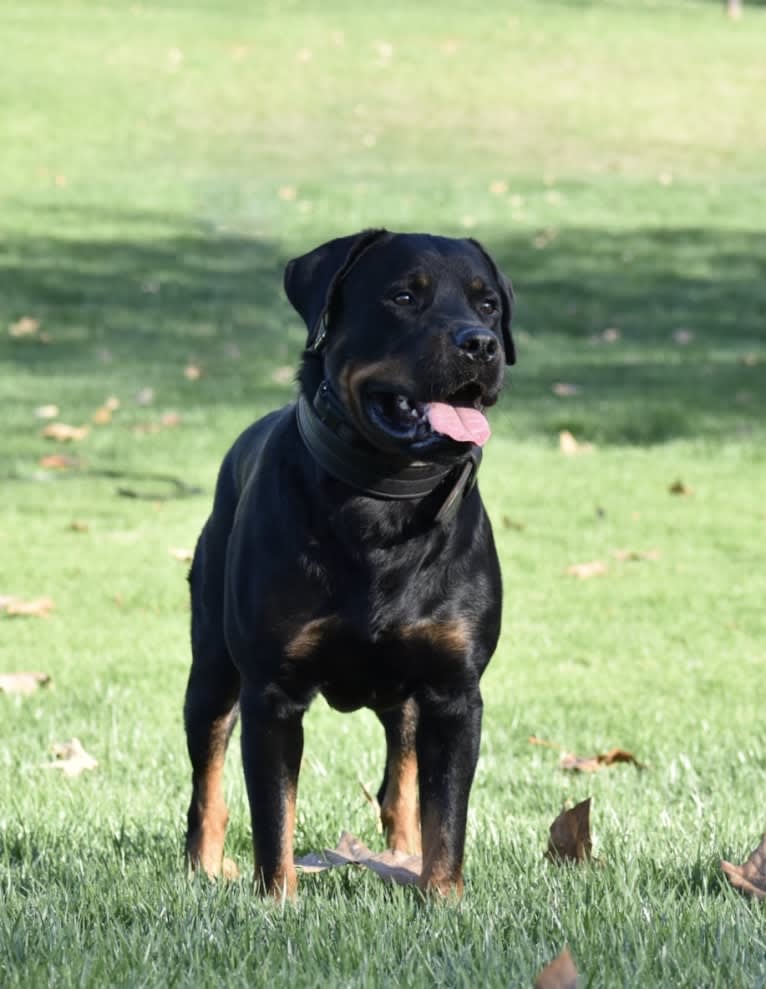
341, 451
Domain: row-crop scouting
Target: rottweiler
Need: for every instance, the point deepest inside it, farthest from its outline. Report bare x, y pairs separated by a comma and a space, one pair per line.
348, 552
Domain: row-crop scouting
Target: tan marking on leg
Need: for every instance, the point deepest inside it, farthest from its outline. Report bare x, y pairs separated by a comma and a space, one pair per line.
284, 882
451, 636
437, 875
305, 641
205, 845
399, 809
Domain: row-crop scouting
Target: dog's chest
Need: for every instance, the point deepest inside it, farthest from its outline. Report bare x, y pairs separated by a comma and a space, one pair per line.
354, 669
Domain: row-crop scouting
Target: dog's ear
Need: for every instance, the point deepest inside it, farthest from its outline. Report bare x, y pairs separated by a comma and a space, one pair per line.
506, 297
312, 279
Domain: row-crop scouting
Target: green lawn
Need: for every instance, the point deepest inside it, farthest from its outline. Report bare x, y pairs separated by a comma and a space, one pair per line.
160, 164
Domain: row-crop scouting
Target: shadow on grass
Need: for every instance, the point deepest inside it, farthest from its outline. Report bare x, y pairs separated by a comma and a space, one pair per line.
687, 358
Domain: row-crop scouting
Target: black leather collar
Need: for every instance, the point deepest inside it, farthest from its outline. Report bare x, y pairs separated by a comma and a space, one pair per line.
338, 447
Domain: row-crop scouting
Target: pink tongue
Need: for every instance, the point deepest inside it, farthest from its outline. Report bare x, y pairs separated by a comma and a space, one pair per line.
463, 425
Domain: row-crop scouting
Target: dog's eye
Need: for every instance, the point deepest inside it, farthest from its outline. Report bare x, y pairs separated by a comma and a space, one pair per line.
404, 299
488, 307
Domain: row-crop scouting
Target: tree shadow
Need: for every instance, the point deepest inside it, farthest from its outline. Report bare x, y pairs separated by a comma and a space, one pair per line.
685, 357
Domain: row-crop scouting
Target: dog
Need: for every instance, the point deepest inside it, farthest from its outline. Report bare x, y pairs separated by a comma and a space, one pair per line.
348, 552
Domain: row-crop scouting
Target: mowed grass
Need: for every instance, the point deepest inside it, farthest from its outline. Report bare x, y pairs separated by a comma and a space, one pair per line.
160, 164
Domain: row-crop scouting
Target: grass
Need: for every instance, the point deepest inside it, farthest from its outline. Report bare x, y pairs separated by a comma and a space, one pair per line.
160, 164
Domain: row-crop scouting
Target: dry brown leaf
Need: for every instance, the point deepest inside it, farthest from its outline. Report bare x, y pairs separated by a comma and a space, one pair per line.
570, 839
145, 396
192, 372
558, 974
631, 555
76, 525
59, 461
682, 336
22, 683
20, 608
47, 411
509, 523
24, 327
592, 764
749, 878
586, 570
71, 758
610, 335
63, 433
168, 420
396, 867
102, 416
571, 447
283, 375
184, 555
679, 488
565, 390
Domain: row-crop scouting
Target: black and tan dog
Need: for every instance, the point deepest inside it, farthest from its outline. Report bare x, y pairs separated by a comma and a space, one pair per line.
348, 552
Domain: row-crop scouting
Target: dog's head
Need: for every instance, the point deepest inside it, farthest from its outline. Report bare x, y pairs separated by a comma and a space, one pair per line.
412, 332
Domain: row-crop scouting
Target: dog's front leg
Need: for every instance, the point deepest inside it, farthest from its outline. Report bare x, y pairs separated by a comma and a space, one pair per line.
272, 744
448, 736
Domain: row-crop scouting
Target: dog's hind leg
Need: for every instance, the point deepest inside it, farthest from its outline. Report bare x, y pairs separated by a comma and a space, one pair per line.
398, 794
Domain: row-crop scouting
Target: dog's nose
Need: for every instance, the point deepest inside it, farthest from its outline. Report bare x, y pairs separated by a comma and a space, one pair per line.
477, 343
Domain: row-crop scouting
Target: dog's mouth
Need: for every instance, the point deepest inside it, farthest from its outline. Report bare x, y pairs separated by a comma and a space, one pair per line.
420, 424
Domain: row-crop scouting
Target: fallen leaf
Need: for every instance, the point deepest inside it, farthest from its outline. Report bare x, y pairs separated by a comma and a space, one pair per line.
592, 764
509, 523
570, 839
610, 335
24, 327
283, 375
584, 571
102, 416
682, 336
59, 461
71, 758
679, 488
47, 411
625, 555
63, 433
398, 867
558, 974
565, 390
77, 526
498, 187
22, 683
372, 800
169, 420
112, 403
287, 193
184, 555
570, 447
192, 372
749, 878
19, 608
145, 396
